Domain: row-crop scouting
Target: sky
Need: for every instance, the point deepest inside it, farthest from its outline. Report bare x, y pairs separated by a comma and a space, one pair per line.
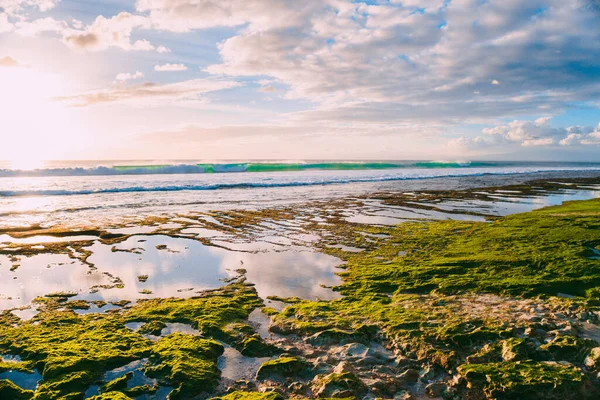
311, 79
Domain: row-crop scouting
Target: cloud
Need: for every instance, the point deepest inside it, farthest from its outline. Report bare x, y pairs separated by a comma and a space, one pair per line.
531, 134
129, 76
170, 68
105, 33
186, 15
513, 59
13, 7
9, 62
138, 94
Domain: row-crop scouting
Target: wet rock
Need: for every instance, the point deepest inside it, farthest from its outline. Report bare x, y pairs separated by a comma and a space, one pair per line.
344, 367
331, 336
436, 389
9, 390
428, 373
282, 367
568, 348
296, 387
409, 376
404, 395
592, 361
456, 381
152, 328
535, 332
255, 347
339, 386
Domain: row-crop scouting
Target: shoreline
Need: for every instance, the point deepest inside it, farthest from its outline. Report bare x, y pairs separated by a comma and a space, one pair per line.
455, 296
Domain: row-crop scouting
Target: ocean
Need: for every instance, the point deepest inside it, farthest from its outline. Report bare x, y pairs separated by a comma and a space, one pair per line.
79, 193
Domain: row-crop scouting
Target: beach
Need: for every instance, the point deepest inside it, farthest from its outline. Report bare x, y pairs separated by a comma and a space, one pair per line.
360, 282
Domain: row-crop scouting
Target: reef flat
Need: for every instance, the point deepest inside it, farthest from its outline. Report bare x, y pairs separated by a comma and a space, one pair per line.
482, 306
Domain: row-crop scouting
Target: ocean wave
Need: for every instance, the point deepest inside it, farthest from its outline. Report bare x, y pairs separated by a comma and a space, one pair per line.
273, 184
234, 168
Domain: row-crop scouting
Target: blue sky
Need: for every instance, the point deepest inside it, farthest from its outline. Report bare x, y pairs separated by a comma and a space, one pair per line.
326, 79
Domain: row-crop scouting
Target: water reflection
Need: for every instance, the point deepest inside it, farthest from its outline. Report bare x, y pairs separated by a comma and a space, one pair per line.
42, 274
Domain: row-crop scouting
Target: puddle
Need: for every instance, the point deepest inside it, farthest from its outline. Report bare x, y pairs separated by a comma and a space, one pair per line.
177, 327
42, 274
26, 314
596, 253
190, 264
45, 239
203, 233
171, 327
138, 378
260, 322
132, 230
27, 381
348, 249
235, 366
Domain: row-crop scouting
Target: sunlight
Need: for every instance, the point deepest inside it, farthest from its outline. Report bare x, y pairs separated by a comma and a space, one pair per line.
26, 163
34, 126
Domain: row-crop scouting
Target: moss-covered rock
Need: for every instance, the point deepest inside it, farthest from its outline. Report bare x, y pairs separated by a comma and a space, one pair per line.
9, 390
342, 385
152, 328
283, 367
568, 348
525, 380
256, 347
116, 384
111, 396
592, 361
187, 362
250, 396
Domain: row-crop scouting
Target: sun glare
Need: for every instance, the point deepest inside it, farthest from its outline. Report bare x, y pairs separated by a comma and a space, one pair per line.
34, 126
26, 164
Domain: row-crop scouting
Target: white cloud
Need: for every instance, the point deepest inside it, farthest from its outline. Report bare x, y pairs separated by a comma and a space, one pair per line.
5, 24
129, 76
104, 33
41, 25
530, 134
12, 7
147, 92
170, 68
571, 139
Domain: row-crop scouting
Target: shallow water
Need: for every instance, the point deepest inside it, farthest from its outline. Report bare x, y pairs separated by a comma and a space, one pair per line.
177, 268
187, 264
45, 239
43, 274
27, 381
235, 366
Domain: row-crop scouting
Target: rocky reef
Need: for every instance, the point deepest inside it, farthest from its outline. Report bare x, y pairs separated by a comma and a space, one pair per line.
503, 308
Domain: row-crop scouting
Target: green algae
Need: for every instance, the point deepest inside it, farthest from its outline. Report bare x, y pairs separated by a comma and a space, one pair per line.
569, 348
340, 385
9, 390
388, 298
111, 396
117, 384
249, 396
152, 328
72, 351
189, 363
282, 367
526, 380
533, 254
209, 313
